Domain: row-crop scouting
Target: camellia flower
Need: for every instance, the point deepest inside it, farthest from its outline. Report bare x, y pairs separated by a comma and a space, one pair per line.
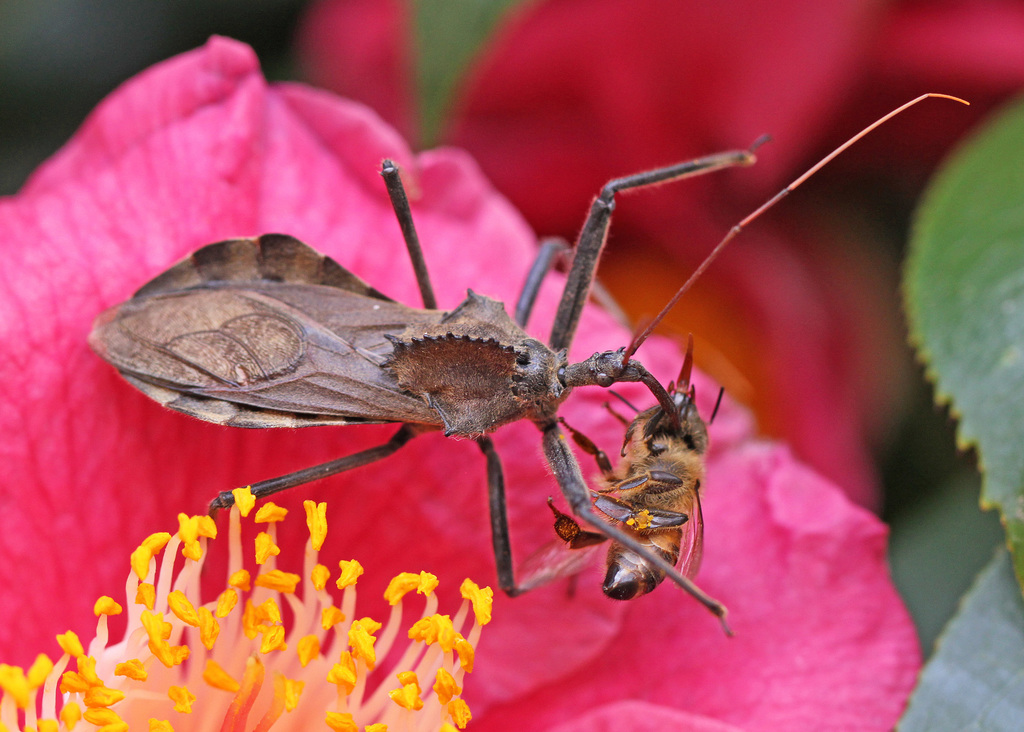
235, 662
201, 149
799, 318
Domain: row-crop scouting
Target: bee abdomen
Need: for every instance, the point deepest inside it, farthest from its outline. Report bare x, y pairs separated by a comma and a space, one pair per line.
629, 576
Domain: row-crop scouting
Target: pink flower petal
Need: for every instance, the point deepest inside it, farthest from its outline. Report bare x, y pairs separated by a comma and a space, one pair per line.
571, 93
199, 149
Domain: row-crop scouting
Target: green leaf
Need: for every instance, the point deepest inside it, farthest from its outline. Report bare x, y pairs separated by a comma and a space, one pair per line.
964, 292
975, 681
937, 550
447, 36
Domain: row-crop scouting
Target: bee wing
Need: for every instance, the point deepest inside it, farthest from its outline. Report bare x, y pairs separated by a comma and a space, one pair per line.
691, 546
552, 561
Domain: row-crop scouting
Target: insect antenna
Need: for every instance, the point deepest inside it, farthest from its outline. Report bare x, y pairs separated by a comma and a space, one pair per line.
642, 336
718, 403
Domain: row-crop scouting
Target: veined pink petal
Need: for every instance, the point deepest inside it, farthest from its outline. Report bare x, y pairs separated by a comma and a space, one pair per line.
201, 148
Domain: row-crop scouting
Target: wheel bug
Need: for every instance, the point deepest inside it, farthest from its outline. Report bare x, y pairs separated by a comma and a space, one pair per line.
267, 332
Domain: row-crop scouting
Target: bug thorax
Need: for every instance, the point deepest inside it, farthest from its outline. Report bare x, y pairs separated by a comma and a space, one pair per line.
478, 369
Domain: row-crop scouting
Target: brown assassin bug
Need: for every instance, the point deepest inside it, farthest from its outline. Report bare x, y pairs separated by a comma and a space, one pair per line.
267, 332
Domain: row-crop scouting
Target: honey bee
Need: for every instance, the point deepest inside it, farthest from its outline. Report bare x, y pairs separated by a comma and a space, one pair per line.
653, 494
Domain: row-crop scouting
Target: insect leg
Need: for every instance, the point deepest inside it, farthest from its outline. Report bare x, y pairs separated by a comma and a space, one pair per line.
570, 480
269, 487
588, 446
595, 231
400, 202
551, 248
499, 518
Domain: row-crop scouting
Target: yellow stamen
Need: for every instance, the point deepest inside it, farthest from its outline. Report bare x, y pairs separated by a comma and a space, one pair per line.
278, 581
226, 603
70, 644
459, 711
39, 670
424, 583
316, 520
182, 608
182, 699
103, 717
270, 513
445, 686
132, 669
408, 696
209, 628
218, 678
14, 684
482, 600
146, 595
265, 547
273, 640
244, 500
101, 696
344, 673
240, 580
330, 617
70, 714
360, 637
466, 654
308, 649
153, 674
106, 606
319, 576
350, 572
341, 722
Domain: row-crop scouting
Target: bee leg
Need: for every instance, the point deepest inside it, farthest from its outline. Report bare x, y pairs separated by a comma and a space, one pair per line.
569, 530
266, 488
570, 480
400, 202
645, 518
588, 446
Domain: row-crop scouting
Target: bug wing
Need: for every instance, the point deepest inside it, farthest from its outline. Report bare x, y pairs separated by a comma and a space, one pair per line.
691, 546
552, 561
263, 333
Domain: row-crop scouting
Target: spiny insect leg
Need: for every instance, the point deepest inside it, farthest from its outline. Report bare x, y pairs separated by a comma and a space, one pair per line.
595, 231
499, 518
269, 487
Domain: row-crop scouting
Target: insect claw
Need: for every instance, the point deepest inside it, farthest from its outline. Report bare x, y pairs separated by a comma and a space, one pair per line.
224, 499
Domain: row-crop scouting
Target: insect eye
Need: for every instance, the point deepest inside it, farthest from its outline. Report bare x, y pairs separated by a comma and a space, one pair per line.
522, 358
656, 448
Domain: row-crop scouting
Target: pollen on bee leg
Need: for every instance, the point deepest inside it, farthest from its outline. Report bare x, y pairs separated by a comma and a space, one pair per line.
239, 659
